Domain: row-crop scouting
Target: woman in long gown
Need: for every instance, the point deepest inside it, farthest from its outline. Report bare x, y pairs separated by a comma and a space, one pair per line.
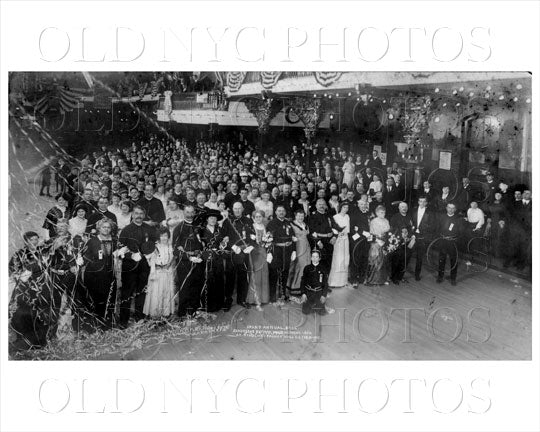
348, 172
99, 277
159, 301
259, 290
377, 271
339, 271
303, 253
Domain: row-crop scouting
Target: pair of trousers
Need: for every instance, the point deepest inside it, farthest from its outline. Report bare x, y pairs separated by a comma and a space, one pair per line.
448, 248
134, 282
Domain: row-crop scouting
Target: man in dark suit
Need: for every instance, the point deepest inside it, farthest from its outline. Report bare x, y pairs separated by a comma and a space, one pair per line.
431, 195
391, 197
375, 161
523, 225
450, 229
443, 199
423, 223
464, 196
359, 244
402, 219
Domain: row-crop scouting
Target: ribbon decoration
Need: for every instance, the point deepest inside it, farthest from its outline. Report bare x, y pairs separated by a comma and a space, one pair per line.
235, 80
269, 79
327, 78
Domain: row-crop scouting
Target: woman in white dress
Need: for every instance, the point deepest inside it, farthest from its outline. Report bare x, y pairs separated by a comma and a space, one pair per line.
77, 224
265, 205
212, 202
339, 271
173, 215
375, 185
348, 172
159, 301
124, 217
114, 208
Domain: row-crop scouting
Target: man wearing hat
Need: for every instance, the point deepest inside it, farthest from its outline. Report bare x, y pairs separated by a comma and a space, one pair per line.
215, 243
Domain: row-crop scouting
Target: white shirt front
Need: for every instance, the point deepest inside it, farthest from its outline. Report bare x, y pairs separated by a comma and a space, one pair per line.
421, 212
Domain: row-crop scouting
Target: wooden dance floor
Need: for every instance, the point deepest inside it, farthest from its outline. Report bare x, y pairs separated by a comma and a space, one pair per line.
487, 316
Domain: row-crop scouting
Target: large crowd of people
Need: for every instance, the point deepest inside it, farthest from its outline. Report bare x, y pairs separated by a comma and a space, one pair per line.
163, 227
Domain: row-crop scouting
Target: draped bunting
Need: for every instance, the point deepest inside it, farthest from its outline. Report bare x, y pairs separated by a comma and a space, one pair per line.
235, 80
269, 79
327, 78
57, 98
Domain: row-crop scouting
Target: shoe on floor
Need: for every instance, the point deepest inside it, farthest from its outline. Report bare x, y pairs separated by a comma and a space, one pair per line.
453, 282
417, 278
439, 279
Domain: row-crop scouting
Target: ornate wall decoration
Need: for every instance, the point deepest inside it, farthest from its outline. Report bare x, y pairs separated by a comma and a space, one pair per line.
327, 78
269, 79
264, 111
310, 112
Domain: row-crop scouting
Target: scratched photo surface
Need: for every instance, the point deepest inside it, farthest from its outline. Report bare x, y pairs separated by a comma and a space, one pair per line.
270, 215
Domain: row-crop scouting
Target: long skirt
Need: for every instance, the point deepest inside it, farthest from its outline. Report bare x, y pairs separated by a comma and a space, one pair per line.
377, 271
159, 300
339, 272
258, 290
303, 258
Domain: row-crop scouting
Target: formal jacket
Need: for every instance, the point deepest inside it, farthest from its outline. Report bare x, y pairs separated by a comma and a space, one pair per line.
424, 229
451, 227
314, 280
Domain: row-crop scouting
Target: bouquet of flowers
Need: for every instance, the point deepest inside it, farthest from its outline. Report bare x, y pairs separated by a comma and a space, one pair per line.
392, 244
266, 240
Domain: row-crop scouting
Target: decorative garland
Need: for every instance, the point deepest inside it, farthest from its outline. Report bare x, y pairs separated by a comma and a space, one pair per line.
327, 78
269, 79
264, 111
235, 80
310, 112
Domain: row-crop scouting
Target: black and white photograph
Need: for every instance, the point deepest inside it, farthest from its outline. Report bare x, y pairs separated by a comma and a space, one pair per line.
270, 215
266, 215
